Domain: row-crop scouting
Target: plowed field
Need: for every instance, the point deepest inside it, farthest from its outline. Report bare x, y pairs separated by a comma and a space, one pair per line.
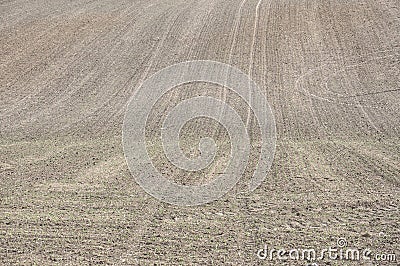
329, 69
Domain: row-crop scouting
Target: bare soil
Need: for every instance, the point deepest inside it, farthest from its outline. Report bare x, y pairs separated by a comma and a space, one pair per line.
330, 70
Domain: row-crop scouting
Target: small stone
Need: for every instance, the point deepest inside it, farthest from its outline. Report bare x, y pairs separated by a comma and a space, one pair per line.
366, 234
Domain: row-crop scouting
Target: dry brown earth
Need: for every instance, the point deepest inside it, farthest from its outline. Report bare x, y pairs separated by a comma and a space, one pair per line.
330, 70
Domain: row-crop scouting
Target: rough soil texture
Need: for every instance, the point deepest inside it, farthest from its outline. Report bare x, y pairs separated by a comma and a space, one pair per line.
330, 70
